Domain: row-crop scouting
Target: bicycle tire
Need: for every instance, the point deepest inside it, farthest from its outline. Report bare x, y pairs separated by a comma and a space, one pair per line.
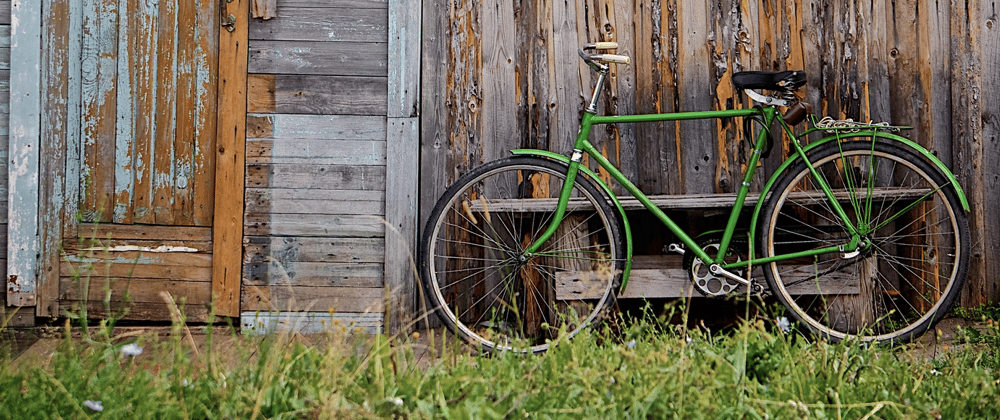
485, 289
909, 270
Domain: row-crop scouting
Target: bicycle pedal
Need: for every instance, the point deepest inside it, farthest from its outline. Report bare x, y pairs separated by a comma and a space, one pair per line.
678, 248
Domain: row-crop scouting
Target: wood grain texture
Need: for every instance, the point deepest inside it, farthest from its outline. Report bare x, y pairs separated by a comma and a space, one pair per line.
227, 225
401, 222
264, 9
320, 58
324, 22
24, 143
317, 95
310, 322
59, 58
319, 299
909, 62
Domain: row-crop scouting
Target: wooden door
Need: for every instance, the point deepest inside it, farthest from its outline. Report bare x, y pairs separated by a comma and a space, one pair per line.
160, 159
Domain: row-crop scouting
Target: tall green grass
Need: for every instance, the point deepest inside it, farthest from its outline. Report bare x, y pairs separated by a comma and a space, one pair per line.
641, 368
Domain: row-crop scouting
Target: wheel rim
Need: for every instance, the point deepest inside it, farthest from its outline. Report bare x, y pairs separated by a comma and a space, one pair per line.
494, 295
905, 274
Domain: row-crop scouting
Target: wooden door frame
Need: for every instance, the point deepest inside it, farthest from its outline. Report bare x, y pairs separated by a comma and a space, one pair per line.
230, 162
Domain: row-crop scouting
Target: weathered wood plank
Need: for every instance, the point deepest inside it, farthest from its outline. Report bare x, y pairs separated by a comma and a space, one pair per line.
319, 58
664, 277
401, 192
314, 274
166, 157
334, 250
131, 264
98, 245
976, 54
436, 138
186, 181
326, 177
205, 72
687, 201
320, 7
129, 255
60, 102
141, 311
312, 225
316, 127
498, 99
5, 12
404, 59
137, 290
26, 107
173, 233
99, 93
227, 224
293, 201
329, 299
316, 152
309, 322
264, 9
332, 24
318, 95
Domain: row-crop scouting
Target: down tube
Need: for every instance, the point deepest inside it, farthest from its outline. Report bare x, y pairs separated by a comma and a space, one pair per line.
632, 189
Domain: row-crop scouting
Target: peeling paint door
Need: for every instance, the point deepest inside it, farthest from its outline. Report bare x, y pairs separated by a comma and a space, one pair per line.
149, 105
149, 102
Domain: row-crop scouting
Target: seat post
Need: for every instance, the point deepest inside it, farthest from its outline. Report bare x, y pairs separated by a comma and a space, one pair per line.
603, 74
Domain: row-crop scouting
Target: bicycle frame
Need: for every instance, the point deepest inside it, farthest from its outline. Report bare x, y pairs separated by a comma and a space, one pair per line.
769, 115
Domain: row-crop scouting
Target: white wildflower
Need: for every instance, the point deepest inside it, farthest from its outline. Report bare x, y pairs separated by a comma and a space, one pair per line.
93, 405
784, 325
131, 350
396, 401
630, 344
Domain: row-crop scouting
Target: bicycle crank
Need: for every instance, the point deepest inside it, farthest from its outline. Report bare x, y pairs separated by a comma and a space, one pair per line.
710, 279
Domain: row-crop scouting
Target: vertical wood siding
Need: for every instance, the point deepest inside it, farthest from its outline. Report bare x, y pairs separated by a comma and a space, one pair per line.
500, 75
316, 164
148, 106
4, 128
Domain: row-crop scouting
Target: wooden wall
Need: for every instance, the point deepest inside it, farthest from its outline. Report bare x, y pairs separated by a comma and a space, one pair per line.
4, 124
315, 238
502, 74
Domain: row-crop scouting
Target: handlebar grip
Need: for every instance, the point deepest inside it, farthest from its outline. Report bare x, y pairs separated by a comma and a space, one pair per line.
612, 58
605, 45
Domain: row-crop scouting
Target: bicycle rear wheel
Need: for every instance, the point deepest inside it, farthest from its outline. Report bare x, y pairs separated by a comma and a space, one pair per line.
481, 282
915, 242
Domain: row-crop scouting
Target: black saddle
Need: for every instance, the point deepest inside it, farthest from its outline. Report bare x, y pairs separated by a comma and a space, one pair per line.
786, 81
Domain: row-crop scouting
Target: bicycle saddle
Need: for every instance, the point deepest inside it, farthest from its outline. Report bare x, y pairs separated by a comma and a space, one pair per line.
787, 81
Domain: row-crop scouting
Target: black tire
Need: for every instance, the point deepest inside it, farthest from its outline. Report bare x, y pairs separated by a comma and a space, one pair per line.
484, 288
916, 248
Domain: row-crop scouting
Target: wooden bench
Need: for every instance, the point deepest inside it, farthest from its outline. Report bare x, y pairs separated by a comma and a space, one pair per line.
663, 276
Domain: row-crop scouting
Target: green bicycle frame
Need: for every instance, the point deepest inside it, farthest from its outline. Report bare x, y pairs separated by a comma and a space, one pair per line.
769, 115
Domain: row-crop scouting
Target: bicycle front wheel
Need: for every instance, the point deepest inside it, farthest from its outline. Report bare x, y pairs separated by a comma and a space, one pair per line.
483, 284
914, 242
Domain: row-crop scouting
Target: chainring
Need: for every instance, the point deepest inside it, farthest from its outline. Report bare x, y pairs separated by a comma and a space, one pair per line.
704, 281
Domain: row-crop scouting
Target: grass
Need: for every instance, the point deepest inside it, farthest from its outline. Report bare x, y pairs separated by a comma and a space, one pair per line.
644, 368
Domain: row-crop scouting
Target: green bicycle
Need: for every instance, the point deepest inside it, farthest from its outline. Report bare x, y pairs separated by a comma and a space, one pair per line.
859, 233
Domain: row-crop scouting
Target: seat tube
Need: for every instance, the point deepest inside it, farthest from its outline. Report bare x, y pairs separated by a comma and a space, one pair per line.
727, 235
